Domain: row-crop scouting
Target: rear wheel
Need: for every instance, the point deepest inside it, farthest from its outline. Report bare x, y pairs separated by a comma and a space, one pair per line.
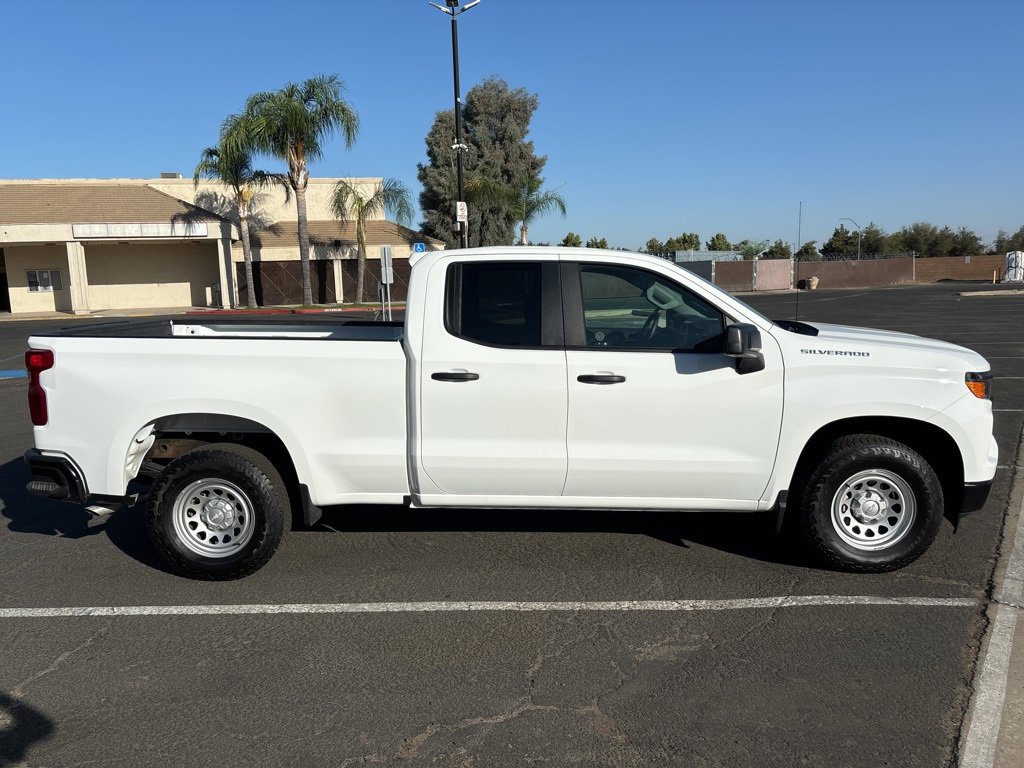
217, 512
872, 504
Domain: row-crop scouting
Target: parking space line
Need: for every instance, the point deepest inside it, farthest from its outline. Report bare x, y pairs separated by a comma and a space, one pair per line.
15, 374
463, 606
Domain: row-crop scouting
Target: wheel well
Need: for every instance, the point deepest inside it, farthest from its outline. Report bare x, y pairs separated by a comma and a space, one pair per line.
936, 445
176, 435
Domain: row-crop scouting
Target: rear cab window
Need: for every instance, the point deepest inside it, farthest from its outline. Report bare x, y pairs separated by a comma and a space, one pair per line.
504, 303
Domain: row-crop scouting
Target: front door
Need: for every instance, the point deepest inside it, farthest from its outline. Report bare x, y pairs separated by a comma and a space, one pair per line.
491, 413
656, 410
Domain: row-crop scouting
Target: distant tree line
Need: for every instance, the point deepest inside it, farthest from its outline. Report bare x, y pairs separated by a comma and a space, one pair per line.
920, 238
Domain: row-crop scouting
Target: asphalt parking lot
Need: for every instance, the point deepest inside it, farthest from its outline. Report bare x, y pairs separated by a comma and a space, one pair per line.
827, 669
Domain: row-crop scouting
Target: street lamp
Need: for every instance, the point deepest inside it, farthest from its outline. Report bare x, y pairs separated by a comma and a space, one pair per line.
858, 234
451, 8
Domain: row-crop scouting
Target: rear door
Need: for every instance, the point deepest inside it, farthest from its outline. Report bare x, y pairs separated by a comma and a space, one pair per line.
492, 385
657, 411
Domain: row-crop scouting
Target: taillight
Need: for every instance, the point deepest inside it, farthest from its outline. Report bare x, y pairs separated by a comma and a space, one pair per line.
37, 361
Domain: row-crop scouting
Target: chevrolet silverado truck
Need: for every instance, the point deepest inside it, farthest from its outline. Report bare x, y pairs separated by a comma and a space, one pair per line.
521, 378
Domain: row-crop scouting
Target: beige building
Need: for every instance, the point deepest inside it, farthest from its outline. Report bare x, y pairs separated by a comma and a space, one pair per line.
85, 245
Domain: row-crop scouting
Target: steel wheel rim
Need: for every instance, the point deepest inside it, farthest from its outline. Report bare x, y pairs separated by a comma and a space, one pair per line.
213, 518
873, 509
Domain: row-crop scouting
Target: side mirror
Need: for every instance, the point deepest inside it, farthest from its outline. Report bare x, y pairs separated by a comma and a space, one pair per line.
743, 342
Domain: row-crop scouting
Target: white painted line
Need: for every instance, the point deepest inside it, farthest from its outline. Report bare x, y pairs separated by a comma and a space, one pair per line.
1007, 410
792, 601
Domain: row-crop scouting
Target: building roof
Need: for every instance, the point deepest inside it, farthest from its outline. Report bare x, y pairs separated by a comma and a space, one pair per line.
284, 234
92, 204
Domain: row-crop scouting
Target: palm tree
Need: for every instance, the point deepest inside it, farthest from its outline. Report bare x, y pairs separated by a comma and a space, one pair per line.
350, 203
532, 203
293, 124
230, 163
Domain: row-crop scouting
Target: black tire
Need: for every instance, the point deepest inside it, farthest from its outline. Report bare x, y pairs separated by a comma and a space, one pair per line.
896, 495
240, 480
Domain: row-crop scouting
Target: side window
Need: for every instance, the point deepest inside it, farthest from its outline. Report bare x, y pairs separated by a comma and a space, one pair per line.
628, 308
496, 303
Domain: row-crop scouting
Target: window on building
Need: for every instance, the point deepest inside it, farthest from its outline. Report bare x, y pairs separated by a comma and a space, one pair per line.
44, 280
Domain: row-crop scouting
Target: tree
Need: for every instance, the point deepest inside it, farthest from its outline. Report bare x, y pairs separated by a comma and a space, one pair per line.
230, 163
808, 252
926, 239
719, 243
779, 250
350, 203
1005, 243
966, 243
751, 249
571, 240
842, 243
496, 121
597, 242
688, 241
874, 241
655, 246
532, 203
293, 124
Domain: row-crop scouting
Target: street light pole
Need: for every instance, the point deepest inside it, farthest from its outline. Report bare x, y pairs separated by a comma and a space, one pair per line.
451, 8
858, 234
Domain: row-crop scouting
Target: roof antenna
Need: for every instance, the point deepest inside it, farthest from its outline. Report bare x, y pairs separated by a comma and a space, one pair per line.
796, 261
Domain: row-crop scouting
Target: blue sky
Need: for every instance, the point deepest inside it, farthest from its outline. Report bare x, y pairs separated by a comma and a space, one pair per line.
657, 118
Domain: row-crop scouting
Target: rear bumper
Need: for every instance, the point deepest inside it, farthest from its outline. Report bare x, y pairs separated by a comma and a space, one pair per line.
975, 496
55, 476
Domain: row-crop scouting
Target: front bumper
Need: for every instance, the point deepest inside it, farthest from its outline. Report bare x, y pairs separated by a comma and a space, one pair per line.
55, 476
975, 496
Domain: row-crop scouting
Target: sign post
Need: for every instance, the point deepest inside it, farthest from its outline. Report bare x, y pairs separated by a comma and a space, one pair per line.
387, 277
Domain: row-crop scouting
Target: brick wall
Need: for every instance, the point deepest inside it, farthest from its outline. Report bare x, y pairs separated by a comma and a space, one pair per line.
955, 268
856, 274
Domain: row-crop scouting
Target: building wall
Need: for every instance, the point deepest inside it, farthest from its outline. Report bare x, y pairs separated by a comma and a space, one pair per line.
20, 259
371, 281
270, 205
291, 253
150, 275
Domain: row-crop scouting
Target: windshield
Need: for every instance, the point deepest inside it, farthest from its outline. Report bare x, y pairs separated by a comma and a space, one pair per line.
719, 292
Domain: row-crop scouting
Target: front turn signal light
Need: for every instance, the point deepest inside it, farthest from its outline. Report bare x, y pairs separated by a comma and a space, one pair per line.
980, 384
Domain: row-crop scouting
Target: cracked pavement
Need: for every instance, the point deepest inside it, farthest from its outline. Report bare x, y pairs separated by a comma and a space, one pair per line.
819, 686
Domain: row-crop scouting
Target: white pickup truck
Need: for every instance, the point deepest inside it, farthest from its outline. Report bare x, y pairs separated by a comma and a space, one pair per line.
522, 377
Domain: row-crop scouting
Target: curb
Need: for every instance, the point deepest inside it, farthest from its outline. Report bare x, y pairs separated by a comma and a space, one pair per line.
995, 733
1004, 292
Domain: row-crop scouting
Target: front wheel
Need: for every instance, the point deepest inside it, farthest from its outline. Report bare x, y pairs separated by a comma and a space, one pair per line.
217, 512
872, 504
